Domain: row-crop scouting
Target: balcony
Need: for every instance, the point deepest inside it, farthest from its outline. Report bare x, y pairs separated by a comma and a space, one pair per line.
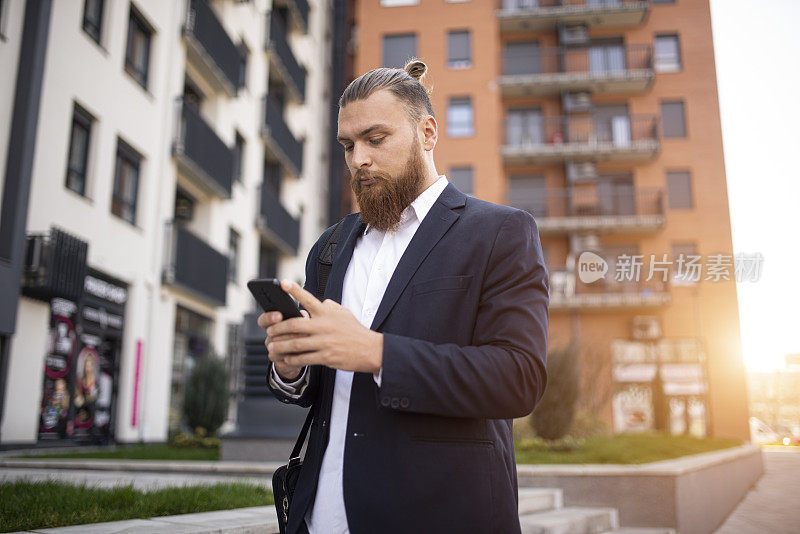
279, 137
210, 50
599, 208
282, 59
193, 266
276, 224
54, 266
598, 69
298, 13
580, 138
605, 296
200, 154
522, 16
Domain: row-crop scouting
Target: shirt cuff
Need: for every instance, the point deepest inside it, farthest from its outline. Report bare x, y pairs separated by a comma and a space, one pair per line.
377, 377
290, 388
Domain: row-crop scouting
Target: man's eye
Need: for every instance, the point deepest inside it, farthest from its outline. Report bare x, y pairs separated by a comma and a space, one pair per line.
376, 141
348, 148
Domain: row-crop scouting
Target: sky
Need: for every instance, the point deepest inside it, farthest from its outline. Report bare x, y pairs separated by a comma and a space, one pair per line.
757, 52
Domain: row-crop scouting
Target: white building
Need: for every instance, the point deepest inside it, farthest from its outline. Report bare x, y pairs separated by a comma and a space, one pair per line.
181, 150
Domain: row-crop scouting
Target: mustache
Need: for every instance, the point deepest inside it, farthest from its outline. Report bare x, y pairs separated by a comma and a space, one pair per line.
361, 174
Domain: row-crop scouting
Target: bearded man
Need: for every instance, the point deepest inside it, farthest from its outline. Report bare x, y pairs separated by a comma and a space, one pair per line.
431, 339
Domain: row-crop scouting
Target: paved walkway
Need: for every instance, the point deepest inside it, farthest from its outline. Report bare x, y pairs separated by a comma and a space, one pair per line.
773, 505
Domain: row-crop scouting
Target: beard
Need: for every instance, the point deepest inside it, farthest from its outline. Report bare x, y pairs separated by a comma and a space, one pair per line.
382, 202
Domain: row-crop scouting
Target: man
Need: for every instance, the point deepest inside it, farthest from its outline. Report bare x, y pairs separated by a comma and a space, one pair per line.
432, 337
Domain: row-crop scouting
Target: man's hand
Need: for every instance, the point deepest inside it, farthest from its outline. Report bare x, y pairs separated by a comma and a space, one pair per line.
331, 336
287, 372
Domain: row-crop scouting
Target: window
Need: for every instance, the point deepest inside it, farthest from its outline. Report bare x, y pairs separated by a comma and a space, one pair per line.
608, 56
684, 273
238, 158
459, 117
679, 190
184, 206
192, 95
458, 49
462, 178
137, 51
398, 49
527, 192
268, 262
244, 53
673, 119
523, 57
79, 150
272, 177
126, 182
93, 18
668, 57
524, 127
233, 256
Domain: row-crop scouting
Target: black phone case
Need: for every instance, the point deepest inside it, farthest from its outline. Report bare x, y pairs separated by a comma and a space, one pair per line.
270, 296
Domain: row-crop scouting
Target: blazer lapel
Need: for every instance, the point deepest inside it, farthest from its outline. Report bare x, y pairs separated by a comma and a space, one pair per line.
436, 222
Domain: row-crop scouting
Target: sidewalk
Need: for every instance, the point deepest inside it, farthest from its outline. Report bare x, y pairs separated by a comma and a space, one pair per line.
772, 505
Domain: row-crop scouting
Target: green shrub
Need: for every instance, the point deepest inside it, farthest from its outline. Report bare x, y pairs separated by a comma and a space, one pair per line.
205, 404
553, 416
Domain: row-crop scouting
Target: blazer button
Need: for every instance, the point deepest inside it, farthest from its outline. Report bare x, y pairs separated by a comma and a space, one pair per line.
404, 402
395, 402
385, 401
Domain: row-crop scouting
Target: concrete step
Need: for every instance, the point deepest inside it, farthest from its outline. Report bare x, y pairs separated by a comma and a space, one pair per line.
532, 500
641, 530
570, 520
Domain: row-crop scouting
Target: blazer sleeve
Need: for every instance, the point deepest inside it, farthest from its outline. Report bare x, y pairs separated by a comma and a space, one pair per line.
313, 377
503, 375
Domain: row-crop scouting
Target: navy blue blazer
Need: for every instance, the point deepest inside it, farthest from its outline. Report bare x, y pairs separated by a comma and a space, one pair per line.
465, 319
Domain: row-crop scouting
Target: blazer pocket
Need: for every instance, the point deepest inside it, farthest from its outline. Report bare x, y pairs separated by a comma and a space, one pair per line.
442, 283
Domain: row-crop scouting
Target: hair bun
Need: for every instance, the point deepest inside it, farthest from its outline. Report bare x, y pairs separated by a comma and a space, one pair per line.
416, 68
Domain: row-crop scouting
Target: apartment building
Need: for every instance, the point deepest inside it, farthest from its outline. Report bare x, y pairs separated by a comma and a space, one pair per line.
601, 118
156, 156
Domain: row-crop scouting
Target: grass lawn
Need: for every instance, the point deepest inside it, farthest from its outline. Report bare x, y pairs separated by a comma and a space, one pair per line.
141, 452
34, 505
618, 449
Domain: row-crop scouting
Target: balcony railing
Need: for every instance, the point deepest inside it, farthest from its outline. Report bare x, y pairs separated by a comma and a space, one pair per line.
580, 137
201, 155
280, 138
282, 57
276, 223
567, 293
600, 69
526, 15
597, 208
210, 48
55, 265
193, 266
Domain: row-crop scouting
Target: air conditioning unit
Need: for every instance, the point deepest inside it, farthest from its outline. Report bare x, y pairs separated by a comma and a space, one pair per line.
646, 327
577, 102
573, 35
581, 170
583, 242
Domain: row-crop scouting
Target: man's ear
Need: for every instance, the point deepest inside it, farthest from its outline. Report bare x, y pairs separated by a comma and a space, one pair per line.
430, 132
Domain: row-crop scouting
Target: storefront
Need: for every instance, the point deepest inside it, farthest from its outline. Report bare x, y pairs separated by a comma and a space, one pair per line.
82, 363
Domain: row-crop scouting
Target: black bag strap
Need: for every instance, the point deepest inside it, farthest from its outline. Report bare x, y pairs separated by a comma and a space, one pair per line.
325, 261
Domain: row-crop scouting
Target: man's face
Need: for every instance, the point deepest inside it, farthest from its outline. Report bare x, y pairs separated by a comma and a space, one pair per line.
384, 156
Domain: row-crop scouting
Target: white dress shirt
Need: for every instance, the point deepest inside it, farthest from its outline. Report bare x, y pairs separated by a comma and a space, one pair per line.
374, 260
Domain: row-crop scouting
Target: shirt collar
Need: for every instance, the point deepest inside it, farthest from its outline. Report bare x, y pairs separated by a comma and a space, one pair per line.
421, 205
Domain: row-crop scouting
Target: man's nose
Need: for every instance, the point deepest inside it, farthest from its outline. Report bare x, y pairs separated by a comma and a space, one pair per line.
361, 156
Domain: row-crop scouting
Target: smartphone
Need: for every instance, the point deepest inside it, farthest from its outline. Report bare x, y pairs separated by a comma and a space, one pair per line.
271, 297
